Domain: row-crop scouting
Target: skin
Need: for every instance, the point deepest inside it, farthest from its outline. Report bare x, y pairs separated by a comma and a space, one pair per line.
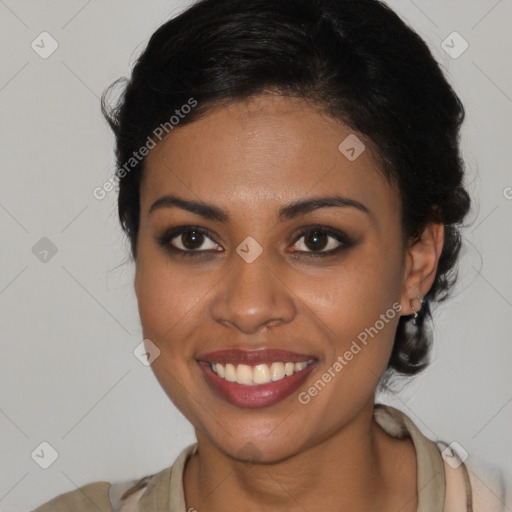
251, 158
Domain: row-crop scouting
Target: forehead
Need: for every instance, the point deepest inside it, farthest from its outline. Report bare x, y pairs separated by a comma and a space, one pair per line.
269, 149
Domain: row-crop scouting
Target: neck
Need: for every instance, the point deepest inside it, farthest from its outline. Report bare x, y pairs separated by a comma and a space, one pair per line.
350, 469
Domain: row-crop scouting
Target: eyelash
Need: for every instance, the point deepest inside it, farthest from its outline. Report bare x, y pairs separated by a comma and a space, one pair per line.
341, 237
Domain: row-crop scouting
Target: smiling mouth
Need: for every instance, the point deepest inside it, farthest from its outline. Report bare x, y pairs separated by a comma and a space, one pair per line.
258, 374
255, 378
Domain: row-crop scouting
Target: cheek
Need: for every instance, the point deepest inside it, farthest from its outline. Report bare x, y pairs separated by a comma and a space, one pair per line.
169, 305
359, 303
357, 290
166, 293
158, 302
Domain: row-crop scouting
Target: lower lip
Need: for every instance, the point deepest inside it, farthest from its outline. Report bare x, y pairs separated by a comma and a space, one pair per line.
261, 395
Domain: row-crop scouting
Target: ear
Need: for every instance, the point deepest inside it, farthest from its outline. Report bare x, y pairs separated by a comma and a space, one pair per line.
421, 261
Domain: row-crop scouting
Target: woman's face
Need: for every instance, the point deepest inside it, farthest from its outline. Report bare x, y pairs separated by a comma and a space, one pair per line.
254, 282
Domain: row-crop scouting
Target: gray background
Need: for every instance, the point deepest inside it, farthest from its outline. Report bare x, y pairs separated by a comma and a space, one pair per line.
69, 324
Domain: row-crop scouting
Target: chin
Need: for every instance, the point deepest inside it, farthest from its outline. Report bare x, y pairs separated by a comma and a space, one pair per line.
258, 441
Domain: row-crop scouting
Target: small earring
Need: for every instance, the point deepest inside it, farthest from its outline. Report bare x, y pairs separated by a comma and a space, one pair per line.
415, 313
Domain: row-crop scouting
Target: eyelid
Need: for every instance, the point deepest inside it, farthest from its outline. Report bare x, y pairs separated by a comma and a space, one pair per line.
339, 235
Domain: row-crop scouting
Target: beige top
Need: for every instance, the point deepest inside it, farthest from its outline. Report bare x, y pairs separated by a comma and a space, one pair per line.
445, 484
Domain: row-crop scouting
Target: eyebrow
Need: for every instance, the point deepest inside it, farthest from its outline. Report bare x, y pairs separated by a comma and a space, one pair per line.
287, 212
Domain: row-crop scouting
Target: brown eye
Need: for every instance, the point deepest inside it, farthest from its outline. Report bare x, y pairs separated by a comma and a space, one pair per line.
316, 240
193, 240
321, 241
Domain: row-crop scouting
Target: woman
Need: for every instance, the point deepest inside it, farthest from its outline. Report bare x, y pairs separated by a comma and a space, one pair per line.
292, 188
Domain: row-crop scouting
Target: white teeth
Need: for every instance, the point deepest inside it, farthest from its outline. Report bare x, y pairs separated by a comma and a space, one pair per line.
220, 369
277, 371
289, 368
244, 374
230, 373
258, 374
300, 366
261, 374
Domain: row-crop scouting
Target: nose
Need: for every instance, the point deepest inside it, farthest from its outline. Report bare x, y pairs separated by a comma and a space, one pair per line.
251, 297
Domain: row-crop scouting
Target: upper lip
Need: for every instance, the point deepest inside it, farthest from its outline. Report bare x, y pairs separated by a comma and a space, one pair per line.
253, 357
